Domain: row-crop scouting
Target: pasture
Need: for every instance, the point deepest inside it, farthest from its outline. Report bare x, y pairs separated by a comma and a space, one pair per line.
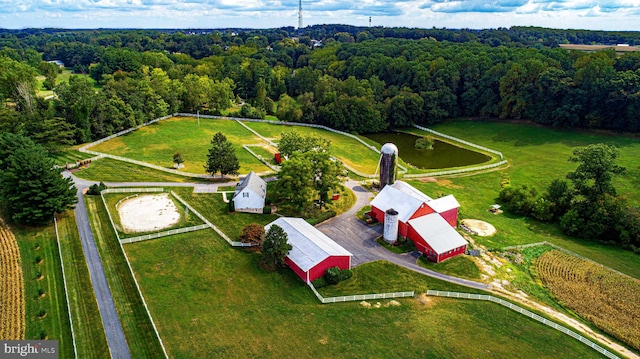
211, 300
157, 143
89, 335
536, 156
351, 152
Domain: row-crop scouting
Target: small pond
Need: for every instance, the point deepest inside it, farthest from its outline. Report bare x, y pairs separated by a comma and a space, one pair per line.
443, 154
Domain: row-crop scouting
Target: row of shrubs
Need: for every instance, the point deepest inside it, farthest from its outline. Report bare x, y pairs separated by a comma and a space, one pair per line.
333, 276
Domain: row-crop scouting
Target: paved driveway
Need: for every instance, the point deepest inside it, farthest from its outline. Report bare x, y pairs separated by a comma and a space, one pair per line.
359, 238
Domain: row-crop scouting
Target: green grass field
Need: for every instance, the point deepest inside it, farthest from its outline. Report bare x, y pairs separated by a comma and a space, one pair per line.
157, 143
215, 210
216, 302
69, 156
41, 242
351, 152
109, 170
89, 335
138, 330
536, 156
459, 266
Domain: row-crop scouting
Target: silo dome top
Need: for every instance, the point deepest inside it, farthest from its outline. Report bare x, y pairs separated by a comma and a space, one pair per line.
389, 148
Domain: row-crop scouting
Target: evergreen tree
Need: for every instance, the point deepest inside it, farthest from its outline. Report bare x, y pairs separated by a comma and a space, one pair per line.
222, 157
274, 248
31, 189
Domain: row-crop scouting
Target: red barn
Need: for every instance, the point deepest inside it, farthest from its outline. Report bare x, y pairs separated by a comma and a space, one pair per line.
313, 252
436, 238
447, 207
429, 223
406, 200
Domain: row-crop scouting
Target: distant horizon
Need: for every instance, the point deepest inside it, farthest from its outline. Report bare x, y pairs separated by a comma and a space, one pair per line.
597, 15
294, 27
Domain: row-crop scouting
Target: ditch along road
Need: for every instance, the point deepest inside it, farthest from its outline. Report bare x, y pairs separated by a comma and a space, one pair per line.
112, 327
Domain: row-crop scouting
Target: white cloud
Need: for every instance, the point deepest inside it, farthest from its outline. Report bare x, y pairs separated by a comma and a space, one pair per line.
605, 14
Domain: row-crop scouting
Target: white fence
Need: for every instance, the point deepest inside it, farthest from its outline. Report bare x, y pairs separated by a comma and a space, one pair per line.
66, 288
144, 302
527, 313
461, 170
260, 158
461, 141
403, 170
131, 190
210, 225
171, 232
357, 297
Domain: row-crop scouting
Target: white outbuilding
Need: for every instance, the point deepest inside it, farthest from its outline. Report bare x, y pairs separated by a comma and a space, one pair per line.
250, 194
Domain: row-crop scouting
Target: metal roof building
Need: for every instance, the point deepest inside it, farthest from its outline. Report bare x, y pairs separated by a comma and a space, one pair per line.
312, 251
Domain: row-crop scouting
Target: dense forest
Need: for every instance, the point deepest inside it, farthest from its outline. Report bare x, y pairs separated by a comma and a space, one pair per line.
351, 78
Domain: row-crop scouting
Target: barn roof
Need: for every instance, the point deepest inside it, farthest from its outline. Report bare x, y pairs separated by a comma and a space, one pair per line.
403, 203
309, 245
408, 189
437, 232
402, 197
444, 204
253, 182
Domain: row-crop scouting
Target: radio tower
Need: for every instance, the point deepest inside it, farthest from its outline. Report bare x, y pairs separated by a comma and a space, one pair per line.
300, 15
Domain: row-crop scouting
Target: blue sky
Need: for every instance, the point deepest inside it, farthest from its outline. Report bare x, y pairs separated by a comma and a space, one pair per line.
575, 14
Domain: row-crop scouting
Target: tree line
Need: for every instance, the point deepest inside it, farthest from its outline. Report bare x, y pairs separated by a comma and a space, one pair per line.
586, 206
360, 80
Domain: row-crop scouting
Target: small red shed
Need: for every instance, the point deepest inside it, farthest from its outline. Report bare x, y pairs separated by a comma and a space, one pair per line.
312, 252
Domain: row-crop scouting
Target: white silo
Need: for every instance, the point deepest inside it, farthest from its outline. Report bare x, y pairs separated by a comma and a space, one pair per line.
390, 234
388, 163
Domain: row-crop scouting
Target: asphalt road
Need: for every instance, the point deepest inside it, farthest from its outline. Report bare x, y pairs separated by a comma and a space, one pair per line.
359, 238
112, 326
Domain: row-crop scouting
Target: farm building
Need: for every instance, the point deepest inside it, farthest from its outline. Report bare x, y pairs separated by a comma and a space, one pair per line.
406, 200
250, 194
435, 237
429, 223
313, 252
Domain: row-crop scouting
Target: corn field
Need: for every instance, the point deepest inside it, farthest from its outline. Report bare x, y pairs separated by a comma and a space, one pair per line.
12, 305
607, 299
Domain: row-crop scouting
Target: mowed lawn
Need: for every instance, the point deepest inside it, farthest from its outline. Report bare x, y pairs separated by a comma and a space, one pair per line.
536, 156
210, 300
353, 153
157, 143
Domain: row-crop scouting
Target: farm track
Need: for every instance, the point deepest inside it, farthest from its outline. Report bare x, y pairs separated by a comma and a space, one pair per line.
12, 300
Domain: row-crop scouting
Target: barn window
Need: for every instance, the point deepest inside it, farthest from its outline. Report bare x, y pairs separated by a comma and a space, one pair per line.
245, 194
